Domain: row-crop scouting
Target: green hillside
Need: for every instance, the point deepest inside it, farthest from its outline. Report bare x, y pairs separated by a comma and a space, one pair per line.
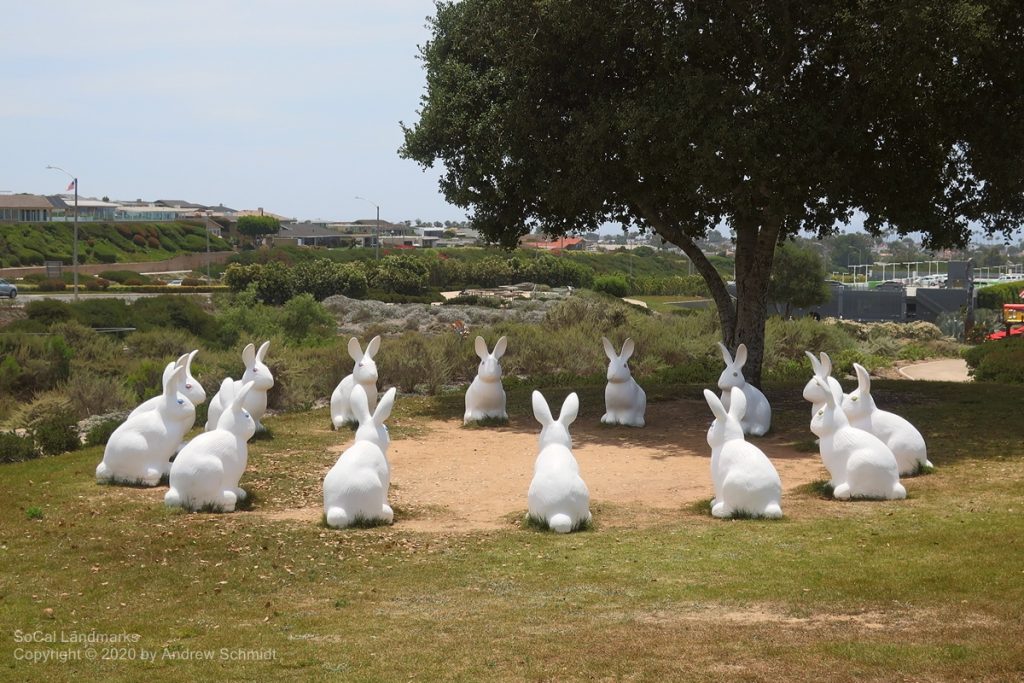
30, 244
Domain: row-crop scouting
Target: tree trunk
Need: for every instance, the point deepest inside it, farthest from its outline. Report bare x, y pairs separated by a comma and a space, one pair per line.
742, 321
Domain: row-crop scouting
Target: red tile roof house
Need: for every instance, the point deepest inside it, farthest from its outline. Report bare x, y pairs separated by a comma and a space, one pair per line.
567, 243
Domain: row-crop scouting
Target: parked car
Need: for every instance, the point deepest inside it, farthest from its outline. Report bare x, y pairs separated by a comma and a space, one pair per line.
7, 289
174, 283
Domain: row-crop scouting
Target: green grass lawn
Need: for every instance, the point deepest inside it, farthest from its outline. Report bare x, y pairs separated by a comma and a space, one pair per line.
930, 588
663, 303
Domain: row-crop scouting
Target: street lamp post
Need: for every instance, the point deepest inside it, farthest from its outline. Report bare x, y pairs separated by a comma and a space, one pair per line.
376, 242
74, 247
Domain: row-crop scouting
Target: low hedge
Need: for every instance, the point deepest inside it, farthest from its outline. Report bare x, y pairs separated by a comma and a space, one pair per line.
994, 296
1000, 360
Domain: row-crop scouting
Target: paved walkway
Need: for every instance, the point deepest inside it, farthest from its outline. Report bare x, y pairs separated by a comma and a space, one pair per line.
947, 370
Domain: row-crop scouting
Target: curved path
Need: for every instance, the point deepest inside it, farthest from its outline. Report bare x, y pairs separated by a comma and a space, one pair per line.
946, 370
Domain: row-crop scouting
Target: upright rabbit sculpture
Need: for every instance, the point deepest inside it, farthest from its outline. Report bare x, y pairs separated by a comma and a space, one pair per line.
624, 401
139, 451
861, 465
485, 397
758, 419
356, 488
188, 386
557, 496
814, 391
257, 374
206, 472
364, 374
745, 481
902, 438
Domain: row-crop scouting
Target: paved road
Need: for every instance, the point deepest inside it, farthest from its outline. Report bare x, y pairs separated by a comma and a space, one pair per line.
947, 370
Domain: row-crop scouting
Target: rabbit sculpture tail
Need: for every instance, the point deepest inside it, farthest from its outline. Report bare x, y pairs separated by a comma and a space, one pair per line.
625, 402
364, 373
744, 479
558, 495
861, 465
902, 438
758, 419
485, 398
356, 488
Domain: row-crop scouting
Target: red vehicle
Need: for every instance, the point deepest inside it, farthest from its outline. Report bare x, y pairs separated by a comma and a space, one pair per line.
1013, 321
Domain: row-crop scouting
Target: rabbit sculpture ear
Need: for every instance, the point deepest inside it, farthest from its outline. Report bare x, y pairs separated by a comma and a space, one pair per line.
240, 393
737, 403
570, 409
361, 405
815, 363
355, 351
168, 369
826, 365
249, 355
262, 353
373, 347
481, 348
384, 407
627, 350
863, 379
500, 347
540, 409
741, 355
171, 380
715, 404
726, 356
609, 350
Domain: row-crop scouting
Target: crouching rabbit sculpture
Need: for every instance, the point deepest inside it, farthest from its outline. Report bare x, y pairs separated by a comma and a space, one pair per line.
356, 488
625, 402
744, 479
364, 374
557, 496
758, 419
485, 397
139, 451
206, 473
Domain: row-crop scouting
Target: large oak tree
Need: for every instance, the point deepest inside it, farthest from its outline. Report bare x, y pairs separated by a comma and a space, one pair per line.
774, 117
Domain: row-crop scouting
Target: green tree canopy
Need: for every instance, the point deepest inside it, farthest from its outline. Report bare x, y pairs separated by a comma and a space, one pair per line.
798, 278
258, 226
772, 117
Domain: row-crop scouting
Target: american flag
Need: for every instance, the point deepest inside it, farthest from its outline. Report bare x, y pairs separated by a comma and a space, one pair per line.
71, 185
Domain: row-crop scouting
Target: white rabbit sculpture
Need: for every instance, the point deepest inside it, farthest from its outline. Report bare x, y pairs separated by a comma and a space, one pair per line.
557, 495
861, 465
356, 488
902, 438
814, 391
624, 400
188, 386
257, 374
758, 419
744, 479
485, 397
140, 449
206, 472
364, 374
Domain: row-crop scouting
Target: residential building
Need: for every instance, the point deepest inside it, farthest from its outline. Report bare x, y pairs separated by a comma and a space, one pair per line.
25, 208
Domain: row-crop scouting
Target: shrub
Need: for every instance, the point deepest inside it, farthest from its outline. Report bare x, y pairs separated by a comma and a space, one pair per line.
994, 296
616, 285
32, 363
48, 311
50, 422
16, 448
99, 433
305, 320
190, 282
999, 360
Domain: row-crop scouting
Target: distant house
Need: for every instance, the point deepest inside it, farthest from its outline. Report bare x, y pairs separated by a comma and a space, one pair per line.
315, 235
25, 208
563, 243
151, 212
88, 209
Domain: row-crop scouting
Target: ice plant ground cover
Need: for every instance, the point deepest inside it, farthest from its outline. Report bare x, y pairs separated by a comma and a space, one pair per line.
927, 588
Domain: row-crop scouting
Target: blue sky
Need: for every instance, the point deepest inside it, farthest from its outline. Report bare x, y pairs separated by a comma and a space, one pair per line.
290, 106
